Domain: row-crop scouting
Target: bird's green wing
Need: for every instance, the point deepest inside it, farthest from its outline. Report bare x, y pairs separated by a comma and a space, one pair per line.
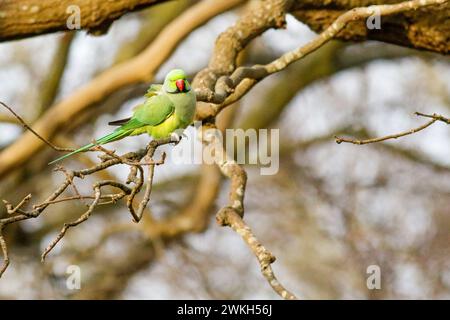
154, 110
151, 113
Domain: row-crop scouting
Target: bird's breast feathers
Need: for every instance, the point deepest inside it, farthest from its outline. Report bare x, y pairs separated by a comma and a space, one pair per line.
184, 106
165, 128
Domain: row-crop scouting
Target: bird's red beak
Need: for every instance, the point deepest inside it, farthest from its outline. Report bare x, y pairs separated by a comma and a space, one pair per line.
180, 84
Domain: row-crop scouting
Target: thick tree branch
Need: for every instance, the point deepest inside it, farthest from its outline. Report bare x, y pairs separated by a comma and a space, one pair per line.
427, 28
25, 18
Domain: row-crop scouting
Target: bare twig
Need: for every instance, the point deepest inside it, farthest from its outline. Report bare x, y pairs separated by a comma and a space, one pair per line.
69, 177
81, 219
5, 254
148, 189
112, 197
9, 207
26, 126
112, 154
434, 117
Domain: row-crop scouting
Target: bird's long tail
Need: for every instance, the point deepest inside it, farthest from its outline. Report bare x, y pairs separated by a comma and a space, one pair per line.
113, 136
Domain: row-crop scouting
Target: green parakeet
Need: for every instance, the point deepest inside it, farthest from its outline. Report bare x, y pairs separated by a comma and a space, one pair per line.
167, 108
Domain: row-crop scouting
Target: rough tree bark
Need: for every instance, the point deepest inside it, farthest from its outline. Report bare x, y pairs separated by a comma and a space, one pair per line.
25, 18
426, 28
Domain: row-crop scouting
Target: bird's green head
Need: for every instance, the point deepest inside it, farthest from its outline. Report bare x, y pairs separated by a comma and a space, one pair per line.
176, 82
